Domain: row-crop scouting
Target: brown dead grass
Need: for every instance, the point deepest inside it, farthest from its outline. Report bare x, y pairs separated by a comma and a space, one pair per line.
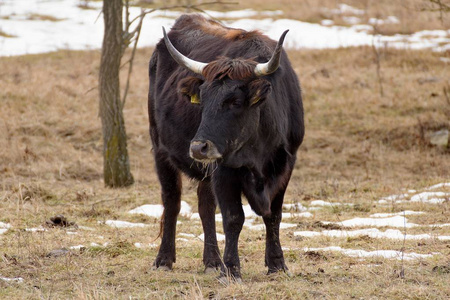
359, 147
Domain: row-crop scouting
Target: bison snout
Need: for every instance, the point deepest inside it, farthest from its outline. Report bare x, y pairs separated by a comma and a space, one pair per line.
204, 150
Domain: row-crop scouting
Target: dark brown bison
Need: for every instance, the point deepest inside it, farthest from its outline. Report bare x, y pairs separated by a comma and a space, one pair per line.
225, 108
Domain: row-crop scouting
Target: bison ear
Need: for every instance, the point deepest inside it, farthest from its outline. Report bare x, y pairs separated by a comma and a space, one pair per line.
259, 89
190, 87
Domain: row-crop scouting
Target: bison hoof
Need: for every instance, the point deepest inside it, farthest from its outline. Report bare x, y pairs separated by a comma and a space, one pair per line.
164, 268
277, 271
229, 280
210, 270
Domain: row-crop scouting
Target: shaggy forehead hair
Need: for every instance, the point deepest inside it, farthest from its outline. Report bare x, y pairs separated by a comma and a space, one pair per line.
235, 69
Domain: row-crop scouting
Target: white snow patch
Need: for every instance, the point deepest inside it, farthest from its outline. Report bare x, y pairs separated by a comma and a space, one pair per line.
371, 232
77, 247
72, 232
141, 245
427, 197
291, 215
220, 237
294, 207
351, 20
263, 227
396, 221
36, 229
377, 253
388, 20
80, 29
345, 9
4, 227
15, 279
99, 245
327, 22
182, 240
123, 224
439, 185
187, 235
406, 212
86, 228
322, 203
393, 198
156, 210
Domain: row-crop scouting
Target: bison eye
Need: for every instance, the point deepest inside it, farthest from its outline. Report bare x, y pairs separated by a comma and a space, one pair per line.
232, 103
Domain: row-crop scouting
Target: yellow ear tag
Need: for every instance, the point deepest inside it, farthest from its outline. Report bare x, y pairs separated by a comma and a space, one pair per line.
194, 99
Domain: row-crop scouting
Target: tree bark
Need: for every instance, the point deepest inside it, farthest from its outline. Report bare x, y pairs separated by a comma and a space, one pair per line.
116, 164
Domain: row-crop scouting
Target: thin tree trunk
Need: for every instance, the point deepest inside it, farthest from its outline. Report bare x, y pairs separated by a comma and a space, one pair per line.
116, 164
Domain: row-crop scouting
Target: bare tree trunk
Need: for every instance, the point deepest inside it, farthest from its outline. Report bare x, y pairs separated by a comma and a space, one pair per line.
116, 164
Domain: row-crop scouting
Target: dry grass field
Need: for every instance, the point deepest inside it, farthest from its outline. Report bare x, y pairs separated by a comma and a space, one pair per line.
360, 146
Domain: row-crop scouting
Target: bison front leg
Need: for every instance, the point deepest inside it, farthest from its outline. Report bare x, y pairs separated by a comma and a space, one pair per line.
274, 253
170, 180
227, 189
207, 210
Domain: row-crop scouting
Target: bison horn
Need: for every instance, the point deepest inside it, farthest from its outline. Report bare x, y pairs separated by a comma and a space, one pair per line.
274, 62
194, 66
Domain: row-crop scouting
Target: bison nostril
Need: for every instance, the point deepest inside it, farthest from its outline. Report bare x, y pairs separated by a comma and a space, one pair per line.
204, 148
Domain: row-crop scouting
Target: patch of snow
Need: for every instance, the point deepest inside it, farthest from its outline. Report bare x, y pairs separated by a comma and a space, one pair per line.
388, 20
182, 240
77, 247
86, 228
351, 20
141, 245
2, 230
5, 225
377, 253
187, 235
36, 229
81, 29
427, 197
16, 279
392, 20
406, 212
294, 206
346, 9
220, 237
72, 233
156, 210
371, 232
394, 197
396, 221
327, 22
245, 13
123, 224
323, 203
263, 227
249, 213
290, 215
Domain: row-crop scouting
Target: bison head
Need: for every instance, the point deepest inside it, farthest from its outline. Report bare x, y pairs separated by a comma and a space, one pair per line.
229, 92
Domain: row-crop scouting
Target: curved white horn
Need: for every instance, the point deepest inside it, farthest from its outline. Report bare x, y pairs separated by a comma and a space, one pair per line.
274, 62
194, 66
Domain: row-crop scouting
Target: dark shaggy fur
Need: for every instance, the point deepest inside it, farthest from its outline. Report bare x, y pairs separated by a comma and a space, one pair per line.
255, 123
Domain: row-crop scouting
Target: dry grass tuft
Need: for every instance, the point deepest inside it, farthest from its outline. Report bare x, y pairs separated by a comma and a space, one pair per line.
358, 148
